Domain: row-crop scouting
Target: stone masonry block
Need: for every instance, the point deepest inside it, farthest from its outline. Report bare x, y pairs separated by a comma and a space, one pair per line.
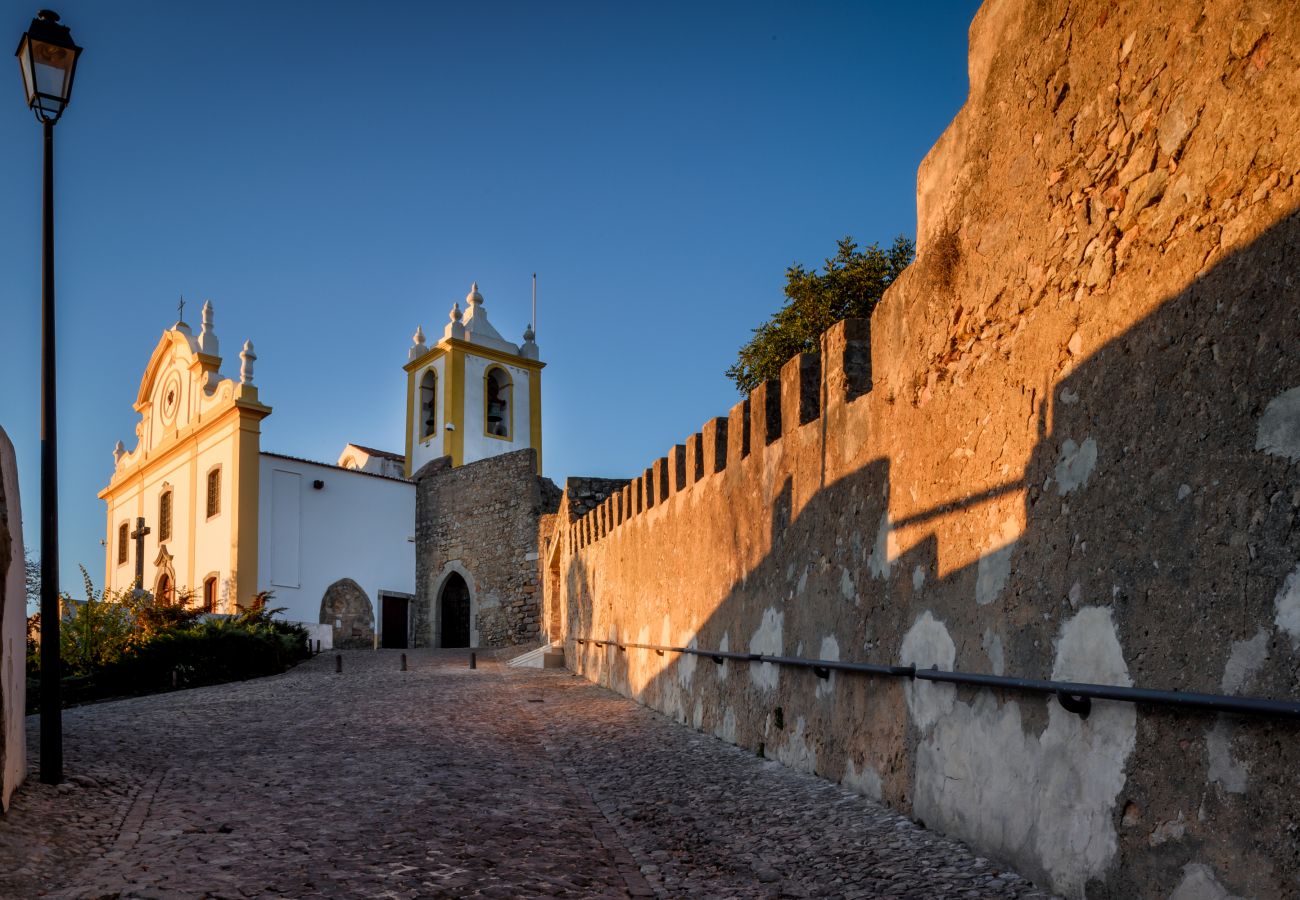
765, 413
713, 447
677, 468
661, 479
846, 360
738, 432
800, 389
694, 458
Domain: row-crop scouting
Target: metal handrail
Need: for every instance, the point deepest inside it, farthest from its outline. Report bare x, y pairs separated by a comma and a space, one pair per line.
1074, 696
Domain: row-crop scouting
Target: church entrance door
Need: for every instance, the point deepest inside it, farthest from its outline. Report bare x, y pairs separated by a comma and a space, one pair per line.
454, 612
394, 622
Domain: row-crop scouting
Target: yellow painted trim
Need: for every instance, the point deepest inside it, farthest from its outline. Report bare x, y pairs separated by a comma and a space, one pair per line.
421, 361
448, 345
509, 436
410, 421
535, 414
454, 441
193, 524
244, 497
178, 442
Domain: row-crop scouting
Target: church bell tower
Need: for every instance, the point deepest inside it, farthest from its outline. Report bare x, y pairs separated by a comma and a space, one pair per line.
473, 394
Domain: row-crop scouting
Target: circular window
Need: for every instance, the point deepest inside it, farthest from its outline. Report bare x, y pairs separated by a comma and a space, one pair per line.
171, 397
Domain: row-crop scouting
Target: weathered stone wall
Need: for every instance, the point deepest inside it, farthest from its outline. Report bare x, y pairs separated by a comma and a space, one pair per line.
1066, 447
481, 521
347, 609
13, 629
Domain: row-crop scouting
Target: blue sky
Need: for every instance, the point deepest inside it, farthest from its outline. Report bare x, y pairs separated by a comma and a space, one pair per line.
332, 175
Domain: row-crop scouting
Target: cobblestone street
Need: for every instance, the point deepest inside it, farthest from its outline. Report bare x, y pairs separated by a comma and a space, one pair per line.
445, 782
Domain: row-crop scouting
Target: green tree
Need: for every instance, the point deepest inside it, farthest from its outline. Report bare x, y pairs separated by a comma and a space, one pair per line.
849, 287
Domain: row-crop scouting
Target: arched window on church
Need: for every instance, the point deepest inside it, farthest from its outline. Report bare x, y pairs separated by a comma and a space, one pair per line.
123, 548
214, 491
428, 405
497, 401
165, 516
164, 591
210, 594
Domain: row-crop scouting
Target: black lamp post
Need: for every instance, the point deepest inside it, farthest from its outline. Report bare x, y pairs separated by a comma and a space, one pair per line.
48, 59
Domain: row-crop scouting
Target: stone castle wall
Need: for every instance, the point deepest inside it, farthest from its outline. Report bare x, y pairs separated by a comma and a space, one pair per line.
1066, 446
13, 629
481, 521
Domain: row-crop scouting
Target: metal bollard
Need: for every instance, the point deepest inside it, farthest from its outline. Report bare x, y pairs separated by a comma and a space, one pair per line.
173, 679
318, 646
473, 660
338, 663
403, 662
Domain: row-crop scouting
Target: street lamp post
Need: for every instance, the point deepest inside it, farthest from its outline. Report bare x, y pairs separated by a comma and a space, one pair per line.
48, 59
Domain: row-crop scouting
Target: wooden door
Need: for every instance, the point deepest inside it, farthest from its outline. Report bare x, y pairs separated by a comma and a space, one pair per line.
394, 622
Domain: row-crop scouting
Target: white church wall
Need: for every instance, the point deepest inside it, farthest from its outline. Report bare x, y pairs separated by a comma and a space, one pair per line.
477, 444
355, 526
198, 545
432, 447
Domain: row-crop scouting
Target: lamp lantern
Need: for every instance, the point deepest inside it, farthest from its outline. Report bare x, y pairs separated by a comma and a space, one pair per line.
48, 60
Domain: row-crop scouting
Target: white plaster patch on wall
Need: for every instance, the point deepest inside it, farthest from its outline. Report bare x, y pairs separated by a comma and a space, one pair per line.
697, 720
830, 649
768, 641
994, 567
1279, 426
725, 646
1244, 661
803, 582
726, 729
1047, 797
1225, 769
1287, 607
686, 663
847, 589
796, 752
885, 550
993, 647
1199, 883
927, 644
918, 578
1075, 465
867, 782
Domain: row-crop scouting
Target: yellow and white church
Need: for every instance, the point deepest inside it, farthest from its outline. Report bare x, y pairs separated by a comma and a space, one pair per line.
197, 508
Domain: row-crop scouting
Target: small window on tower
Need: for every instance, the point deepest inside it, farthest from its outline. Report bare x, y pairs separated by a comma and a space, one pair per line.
165, 516
497, 389
214, 492
210, 594
123, 548
428, 405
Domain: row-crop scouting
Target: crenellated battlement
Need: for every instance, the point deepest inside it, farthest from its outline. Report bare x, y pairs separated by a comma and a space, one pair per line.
839, 374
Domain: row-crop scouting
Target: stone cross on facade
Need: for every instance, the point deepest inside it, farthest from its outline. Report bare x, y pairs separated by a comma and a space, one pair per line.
180, 309
138, 536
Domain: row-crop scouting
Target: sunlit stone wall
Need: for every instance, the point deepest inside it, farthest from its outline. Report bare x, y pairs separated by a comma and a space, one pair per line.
1065, 447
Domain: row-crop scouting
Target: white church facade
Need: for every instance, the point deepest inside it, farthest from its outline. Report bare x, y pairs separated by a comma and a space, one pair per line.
198, 507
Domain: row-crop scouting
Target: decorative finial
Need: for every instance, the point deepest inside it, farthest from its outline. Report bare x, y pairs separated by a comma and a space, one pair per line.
418, 348
455, 328
528, 333
246, 358
473, 298
456, 314
207, 337
118, 452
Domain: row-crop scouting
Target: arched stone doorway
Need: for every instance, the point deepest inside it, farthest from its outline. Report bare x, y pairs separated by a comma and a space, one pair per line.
454, 612
346, 607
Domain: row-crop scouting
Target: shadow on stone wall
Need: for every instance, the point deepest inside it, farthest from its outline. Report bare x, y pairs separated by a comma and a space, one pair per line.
1161, 525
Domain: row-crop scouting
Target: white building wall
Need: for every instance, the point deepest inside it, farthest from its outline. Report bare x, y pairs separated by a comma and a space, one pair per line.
355, 526
477, 443
430, 448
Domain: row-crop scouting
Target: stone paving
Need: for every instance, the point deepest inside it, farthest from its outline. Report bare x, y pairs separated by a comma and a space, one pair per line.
446, 782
